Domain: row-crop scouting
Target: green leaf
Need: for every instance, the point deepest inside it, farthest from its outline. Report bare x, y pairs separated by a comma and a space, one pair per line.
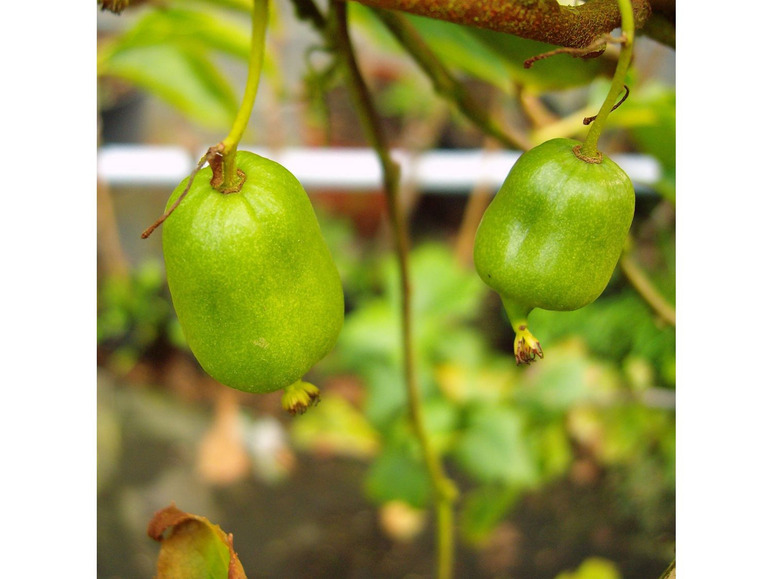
567, 377
460, 50
336, 426
493, 447
553, 449
593, 568
398, 475
189, 29
655, 133
483, 509
371, 334
185, 79
614, 327
442, 288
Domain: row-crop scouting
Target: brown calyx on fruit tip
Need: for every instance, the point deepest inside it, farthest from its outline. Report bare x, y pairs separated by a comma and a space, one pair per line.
593, 160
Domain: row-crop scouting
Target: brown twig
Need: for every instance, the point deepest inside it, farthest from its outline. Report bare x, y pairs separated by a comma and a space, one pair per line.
542, 20
209, 154
596, 48
588, 120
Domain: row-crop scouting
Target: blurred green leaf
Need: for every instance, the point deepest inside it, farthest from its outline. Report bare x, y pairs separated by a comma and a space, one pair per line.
483, 509
565, 378
493, 447
442, 419
614, 327
335, 426
371, 334
630, 431
398, 474
186, 79
460, 50
132, 313
441, 286
650, 117
491, 379
170, 53
192, 29
553, 449
593, 568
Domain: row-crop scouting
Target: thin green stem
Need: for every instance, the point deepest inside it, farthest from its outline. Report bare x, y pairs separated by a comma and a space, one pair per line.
257, 51
590, 147
444, 491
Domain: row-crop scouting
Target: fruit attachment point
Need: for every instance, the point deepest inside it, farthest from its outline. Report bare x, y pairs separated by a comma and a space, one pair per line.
527, 347
299, 397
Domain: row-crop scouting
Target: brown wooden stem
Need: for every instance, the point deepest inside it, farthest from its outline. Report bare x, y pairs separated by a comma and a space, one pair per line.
542, 20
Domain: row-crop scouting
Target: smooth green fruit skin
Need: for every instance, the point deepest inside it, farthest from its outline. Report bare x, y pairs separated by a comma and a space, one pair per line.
252, 281
554, 232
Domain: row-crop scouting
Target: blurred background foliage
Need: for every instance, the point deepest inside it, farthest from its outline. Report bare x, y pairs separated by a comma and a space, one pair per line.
567, 467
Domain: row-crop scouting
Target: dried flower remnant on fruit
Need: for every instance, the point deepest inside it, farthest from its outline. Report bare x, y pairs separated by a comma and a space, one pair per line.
299, 397
527, 347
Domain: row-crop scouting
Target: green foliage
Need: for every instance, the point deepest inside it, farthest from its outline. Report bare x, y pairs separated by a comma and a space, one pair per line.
618, 327
509, 430
483, 509
134, 313
493, 448
648, 116
173, 54
593, 568
399, 473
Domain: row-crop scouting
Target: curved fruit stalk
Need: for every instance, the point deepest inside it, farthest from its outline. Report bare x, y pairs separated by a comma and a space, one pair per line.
252, 281
553, 234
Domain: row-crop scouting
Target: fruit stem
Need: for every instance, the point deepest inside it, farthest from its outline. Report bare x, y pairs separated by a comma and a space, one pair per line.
229, 145
444, 490
590, 147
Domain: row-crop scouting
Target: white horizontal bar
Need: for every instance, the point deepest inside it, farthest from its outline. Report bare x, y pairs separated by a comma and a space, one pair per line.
343, 168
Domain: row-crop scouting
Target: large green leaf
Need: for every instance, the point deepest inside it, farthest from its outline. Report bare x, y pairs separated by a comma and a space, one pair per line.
483, 509
186, 79
459, 49
398, 475
336, 427
493, 447
207, 30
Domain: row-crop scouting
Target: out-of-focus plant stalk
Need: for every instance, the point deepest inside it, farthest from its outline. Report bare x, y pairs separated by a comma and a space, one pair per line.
444, 491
